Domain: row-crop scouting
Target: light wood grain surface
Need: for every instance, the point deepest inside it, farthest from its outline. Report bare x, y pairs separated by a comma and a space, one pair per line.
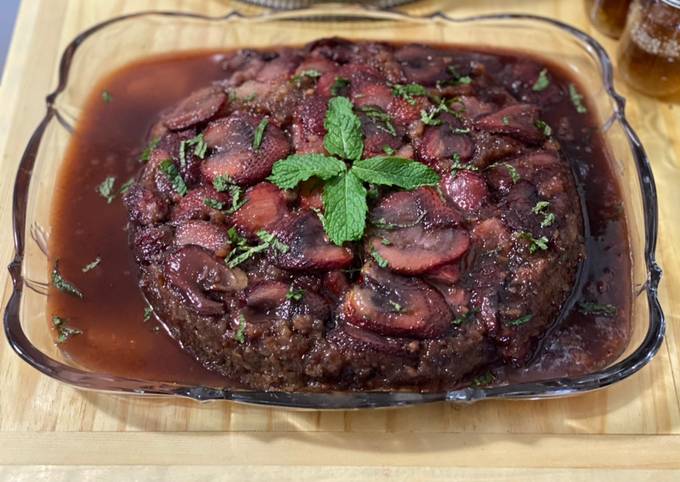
49, 431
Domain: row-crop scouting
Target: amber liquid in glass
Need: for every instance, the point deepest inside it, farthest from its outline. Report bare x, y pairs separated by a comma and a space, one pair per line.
608, 16
649, 53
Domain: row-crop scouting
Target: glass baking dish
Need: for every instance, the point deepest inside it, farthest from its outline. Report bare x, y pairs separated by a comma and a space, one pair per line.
112, 44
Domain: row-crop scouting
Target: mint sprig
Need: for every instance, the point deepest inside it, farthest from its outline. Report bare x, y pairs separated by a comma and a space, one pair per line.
343, 137
344, 194
345, 208
395, 171
299, 167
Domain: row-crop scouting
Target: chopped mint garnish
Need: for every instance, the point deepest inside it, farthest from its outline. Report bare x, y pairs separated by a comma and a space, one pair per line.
62, 284
92, 265
542, 82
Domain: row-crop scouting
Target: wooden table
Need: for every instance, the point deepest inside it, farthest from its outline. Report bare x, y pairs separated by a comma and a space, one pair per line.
50, 431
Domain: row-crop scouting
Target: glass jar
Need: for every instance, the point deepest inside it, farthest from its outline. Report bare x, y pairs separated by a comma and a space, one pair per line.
649, 52
608, 16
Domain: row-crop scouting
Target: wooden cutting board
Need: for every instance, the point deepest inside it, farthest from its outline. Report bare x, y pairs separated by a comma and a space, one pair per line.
50, 431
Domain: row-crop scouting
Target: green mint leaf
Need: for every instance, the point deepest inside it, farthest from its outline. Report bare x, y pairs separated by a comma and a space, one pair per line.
577, 99
512, 170
544, 127
458, 165
313, 73
482, 380
597, 309
542, 82
105, 189
344, 137
540, 243
310, 74
409, 91
235, 238
126, 186
243, 251
381, 118
92, 265
506, 120
429, 117
457, 78
148, 312
236, 193
64, 332
382, 262
183, 153
240, 333
271, 240
289, 172
469, 316
344, 201
382, 224
168, 168
62, 284
339, 84
548, 220
259, 133
388, 150
294, 295
396, 307
199, 145
238, 256
320, 215
534, 243
222, 183
106, 96
521, 320
213, 203
395, 171
146, 153
540, 207
514, 174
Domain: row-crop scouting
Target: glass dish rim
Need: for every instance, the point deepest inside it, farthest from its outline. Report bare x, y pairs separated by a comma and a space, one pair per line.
339, 400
